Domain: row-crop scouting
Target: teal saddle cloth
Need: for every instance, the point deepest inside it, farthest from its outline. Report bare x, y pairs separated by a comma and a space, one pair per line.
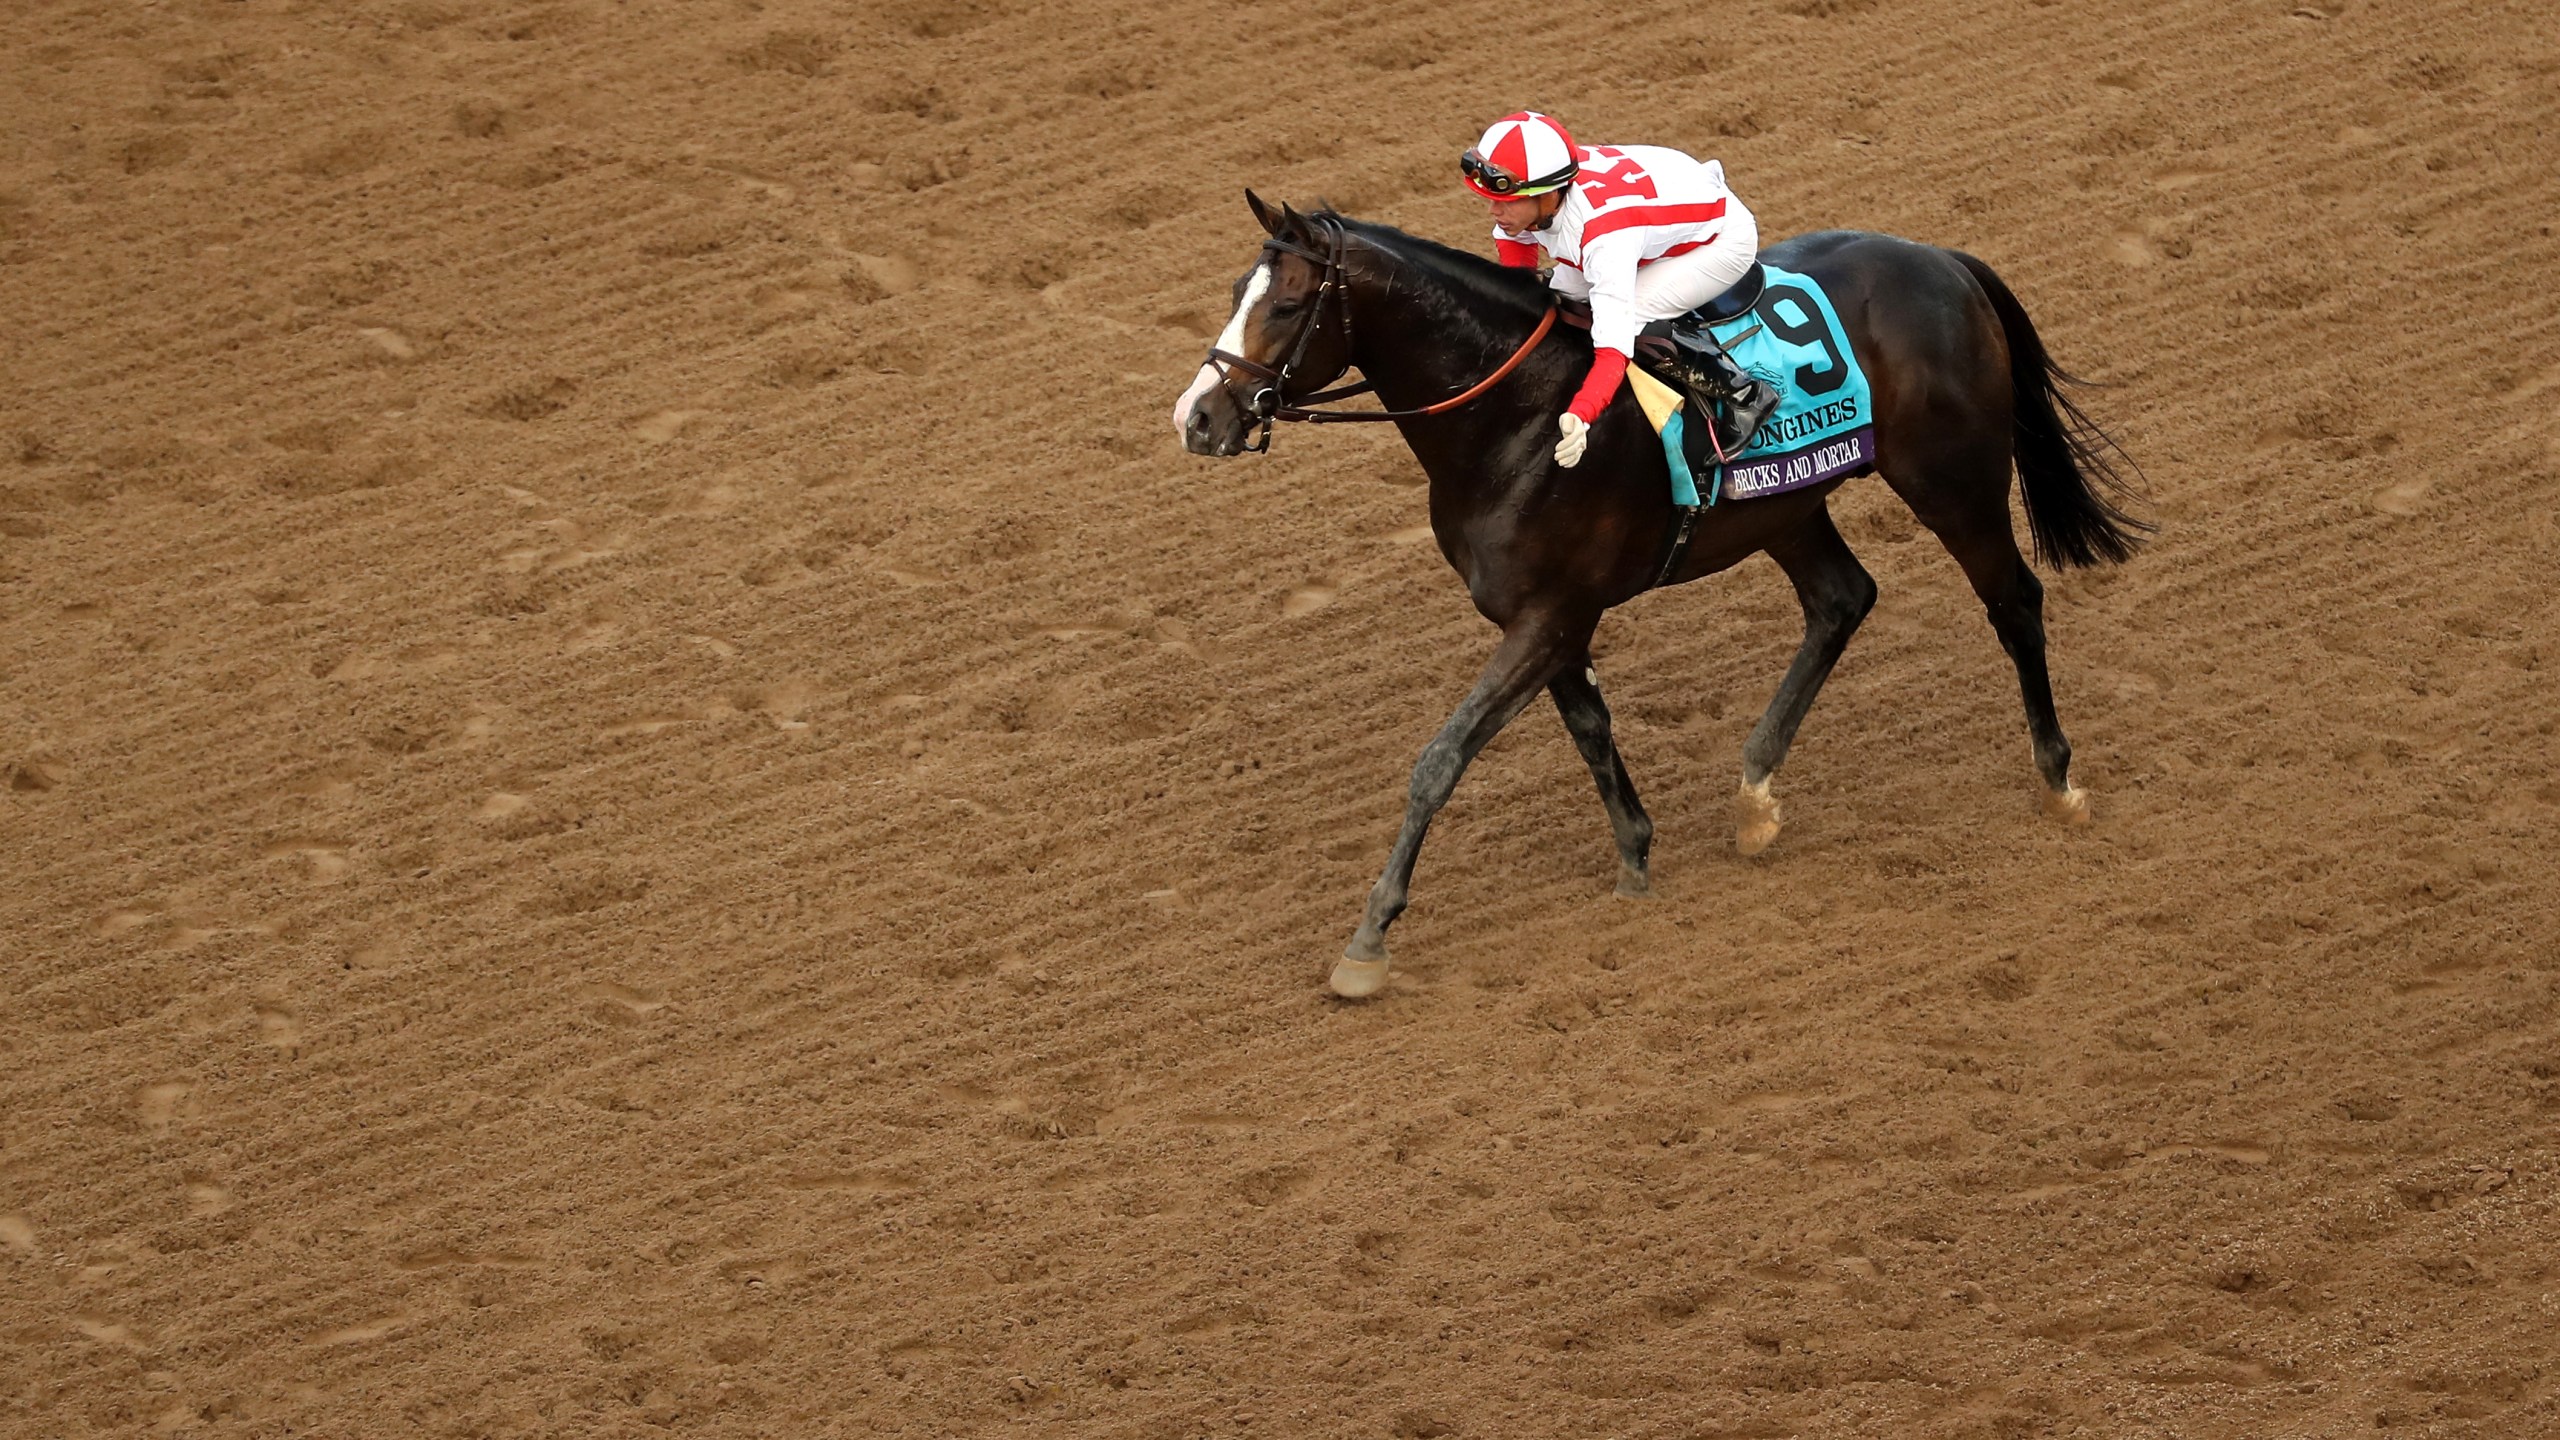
1824, 424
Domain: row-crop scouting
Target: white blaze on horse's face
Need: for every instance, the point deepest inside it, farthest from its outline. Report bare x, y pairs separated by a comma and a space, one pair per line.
1230, 340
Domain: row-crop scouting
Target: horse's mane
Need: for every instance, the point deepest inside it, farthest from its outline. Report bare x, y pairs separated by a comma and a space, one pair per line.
1471, 275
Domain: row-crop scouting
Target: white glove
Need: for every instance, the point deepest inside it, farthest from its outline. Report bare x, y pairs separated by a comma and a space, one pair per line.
1577, 438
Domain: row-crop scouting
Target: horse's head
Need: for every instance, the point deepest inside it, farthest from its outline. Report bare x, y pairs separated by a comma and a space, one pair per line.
1290, 335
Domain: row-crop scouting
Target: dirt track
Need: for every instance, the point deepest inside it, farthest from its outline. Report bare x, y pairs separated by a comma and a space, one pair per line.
642, 793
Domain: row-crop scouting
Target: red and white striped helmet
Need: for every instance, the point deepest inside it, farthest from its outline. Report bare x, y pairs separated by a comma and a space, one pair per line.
1524, 154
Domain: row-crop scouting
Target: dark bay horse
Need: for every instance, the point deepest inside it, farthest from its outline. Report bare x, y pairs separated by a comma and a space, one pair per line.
1962, 387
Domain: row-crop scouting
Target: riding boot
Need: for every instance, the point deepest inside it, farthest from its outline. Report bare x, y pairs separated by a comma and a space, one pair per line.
1748, 398
1753, 401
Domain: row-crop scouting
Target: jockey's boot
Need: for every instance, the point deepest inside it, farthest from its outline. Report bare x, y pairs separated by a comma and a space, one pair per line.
1752, 403
1747, 398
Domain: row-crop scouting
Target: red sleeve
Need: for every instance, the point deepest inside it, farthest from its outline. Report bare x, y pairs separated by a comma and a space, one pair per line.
1608, 367
1518, 254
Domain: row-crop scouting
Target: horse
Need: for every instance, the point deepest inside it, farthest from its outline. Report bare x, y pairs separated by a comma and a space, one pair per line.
1465, 355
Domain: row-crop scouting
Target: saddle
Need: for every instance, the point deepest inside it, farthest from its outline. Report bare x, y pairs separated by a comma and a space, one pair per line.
1735, 301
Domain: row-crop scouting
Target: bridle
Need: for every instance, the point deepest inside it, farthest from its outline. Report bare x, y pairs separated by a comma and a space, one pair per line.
1270, 402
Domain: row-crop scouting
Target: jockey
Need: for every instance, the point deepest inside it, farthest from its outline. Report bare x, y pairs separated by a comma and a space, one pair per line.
1644, 233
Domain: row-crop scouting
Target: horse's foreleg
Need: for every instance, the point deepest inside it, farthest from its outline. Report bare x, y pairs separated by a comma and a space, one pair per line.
1836, 593
1576, 690
1528, 657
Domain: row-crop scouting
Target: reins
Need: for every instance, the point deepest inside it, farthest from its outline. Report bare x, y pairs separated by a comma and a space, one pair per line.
1546, 323
1269, 403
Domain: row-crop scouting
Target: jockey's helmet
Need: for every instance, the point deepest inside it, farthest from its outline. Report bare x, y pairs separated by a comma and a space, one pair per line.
1524, 154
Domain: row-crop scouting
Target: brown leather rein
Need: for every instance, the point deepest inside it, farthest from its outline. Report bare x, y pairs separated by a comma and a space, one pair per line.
1269, 403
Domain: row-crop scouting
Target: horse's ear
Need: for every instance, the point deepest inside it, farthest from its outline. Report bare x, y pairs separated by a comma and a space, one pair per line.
1291, 222
1272, 220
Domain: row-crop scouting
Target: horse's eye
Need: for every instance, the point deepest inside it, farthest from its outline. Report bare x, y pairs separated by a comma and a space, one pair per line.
1282, 310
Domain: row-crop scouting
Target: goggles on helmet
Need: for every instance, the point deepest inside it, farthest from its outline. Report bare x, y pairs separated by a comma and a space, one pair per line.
1498, 181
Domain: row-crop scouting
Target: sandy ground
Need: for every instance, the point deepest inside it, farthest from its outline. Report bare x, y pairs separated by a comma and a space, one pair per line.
640, 794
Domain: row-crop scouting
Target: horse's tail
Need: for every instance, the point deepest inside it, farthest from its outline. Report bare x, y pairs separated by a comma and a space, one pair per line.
2071, 483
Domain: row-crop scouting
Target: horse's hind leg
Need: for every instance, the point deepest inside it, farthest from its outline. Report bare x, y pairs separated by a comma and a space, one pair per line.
1531, 652
1576, 690
1976, 532
1836, 593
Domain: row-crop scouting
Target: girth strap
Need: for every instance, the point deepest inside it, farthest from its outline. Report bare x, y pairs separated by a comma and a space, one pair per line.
1675, 546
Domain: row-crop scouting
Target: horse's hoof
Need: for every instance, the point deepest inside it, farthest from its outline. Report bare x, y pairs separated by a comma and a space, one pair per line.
2069, 807
1755, 819
1358, 979
1633, 883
